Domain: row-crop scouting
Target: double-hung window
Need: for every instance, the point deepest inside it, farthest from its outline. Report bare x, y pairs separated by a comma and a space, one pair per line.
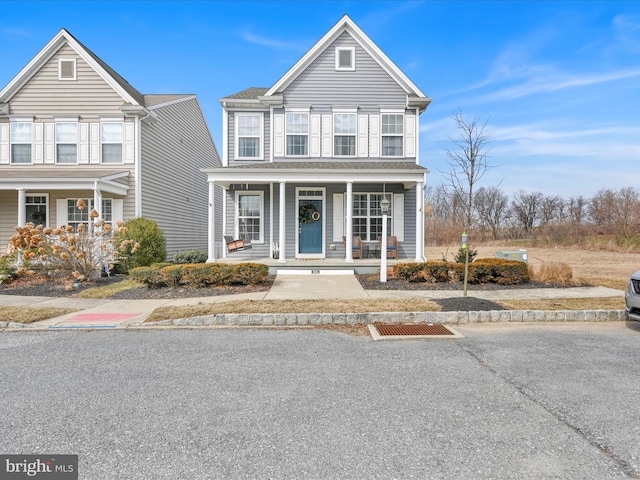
21, 142
111, 140
67, 142
297, 131
249, 136
249, 218
344, 134
367, 215
77, 216
392, 134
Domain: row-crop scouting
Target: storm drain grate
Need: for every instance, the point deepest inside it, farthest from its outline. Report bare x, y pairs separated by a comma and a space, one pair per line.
385, 331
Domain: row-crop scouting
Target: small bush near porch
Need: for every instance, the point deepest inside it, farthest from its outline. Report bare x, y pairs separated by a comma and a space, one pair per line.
484, 270
201, 274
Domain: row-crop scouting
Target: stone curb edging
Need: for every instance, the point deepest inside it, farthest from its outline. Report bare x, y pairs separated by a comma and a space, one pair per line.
455, 317
315, 319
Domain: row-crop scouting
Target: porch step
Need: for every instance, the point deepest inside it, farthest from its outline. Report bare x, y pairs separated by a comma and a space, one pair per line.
315, 271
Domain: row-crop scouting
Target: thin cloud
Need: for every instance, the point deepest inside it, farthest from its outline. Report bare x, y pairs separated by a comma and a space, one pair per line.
270, 42
16, 32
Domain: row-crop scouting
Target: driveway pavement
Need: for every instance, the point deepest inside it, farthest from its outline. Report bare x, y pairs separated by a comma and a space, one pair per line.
507, 401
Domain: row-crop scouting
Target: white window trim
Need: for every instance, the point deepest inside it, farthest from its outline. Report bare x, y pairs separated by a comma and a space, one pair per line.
101, 143
46, 211
355, 134
382, 135
63, 209
390, 215
260, 116
11, 143
236, 227
297, 111
65, 60
55, 140
353, 59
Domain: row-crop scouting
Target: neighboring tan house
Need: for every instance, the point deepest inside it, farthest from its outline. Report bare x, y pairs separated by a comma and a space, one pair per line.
306, 163
71, 128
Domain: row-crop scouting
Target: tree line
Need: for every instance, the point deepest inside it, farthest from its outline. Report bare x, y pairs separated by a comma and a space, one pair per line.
549, 219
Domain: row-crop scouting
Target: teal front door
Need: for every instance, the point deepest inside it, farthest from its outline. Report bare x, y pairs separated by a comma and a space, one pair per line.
310, 226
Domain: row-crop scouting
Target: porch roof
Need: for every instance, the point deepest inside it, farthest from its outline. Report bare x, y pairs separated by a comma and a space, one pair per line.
62, 179
319, 172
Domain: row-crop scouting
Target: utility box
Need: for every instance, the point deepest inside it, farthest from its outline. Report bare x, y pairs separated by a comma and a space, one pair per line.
518, 255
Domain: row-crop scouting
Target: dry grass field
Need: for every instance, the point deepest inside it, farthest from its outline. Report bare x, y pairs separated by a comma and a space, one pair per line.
596, 267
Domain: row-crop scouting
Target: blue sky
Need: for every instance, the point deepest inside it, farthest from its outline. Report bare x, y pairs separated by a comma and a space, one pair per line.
559, 82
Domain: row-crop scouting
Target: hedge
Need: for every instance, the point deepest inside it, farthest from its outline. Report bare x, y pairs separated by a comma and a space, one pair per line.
483, 270
201, 274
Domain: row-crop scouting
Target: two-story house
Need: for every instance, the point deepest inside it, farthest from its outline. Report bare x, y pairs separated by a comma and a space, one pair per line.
72, 128
307, 161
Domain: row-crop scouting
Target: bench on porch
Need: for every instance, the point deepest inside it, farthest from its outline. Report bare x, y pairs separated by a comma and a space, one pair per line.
237, 245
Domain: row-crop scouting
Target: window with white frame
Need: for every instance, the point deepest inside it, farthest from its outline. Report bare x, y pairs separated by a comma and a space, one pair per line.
111, 134
249, 136
67, 142
297, 131
345, 58
21, 137
67, 69
36, 209
367, 215
77, 216
249, 218
392, 134
344, 134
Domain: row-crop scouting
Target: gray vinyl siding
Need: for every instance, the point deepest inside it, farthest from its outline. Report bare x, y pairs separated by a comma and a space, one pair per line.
175, 193
44, 95
8, 217
231, 140
321, 84
257, 250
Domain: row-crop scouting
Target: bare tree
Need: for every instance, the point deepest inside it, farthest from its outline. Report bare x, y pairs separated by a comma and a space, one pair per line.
525, 208
492, 206
467, 167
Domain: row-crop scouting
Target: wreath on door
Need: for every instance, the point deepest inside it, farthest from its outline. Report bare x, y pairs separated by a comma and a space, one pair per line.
308, 214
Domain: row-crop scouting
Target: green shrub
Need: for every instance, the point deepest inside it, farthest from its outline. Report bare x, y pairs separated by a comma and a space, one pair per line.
7, 267
142, 243
150, 276
495, 270
197, 274
249, 273
424, 272
190, 256
172, 274
460, 257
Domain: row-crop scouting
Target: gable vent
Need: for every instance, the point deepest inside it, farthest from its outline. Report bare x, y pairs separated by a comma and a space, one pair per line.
67, 69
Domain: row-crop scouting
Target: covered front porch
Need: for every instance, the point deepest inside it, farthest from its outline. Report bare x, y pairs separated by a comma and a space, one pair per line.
300, 212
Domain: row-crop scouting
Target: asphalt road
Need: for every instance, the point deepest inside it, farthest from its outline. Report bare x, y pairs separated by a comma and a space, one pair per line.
505, 402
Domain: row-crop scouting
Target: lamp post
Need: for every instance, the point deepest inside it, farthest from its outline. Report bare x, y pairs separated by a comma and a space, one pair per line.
384, 206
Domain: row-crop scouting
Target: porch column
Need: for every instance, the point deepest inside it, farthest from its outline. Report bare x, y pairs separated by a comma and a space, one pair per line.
211, 235
22, 207
282, 232
97, 200
419, 223
348, 257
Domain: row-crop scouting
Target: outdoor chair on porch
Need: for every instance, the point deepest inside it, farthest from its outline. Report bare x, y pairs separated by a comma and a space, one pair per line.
392, 247
237, 245
356, 246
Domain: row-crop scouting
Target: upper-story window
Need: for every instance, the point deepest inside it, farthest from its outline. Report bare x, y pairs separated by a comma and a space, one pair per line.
392, 135
21, 142
297, 131
67, 69
344, 134
249, 136
111, 140
67, 142
345, 58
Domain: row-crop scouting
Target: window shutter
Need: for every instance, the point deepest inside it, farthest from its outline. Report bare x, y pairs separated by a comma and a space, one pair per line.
398, 216
278, 135
314, 127
410, 135
363, 135
94, 143
84, 143
129, 143
327, 136
117, 210
4, 143
338, 217
49, 143
61, 212
38, 143
374, 135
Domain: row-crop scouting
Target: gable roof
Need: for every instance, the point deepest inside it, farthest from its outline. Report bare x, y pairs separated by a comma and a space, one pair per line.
120, 85
346, 24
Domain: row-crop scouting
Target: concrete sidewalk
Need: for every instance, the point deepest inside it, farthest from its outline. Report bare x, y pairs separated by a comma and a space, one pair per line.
105, 313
